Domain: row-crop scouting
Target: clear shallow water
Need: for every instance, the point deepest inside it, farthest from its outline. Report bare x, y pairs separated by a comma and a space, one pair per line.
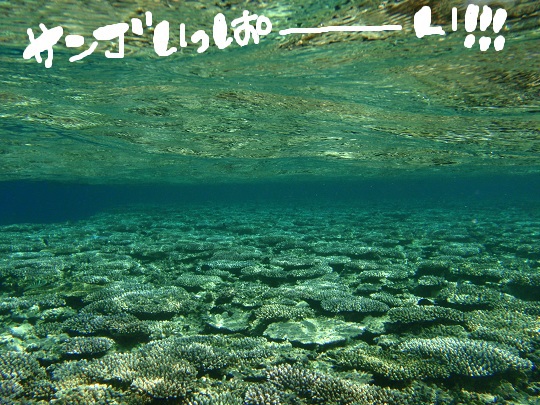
333, 219
290, 107
276, 299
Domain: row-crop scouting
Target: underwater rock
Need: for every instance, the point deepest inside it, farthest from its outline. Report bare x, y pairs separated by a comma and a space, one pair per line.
198, 281
232, 321
314, 331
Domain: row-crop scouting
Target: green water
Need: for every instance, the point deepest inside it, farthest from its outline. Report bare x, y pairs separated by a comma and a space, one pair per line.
334, 106
320, 219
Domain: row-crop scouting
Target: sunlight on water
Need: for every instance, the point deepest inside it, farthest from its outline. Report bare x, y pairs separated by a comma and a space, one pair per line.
346, 103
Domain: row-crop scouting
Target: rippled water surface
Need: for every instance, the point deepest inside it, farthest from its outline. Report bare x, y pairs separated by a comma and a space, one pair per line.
361, 104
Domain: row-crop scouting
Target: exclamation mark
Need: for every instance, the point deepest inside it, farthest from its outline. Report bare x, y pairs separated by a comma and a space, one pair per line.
485, 21
471, 19
486, 18
498, 22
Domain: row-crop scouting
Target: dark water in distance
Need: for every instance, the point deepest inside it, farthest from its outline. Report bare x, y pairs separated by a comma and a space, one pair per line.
44, 202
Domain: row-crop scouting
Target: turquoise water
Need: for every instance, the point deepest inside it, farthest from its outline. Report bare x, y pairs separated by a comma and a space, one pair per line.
320, 219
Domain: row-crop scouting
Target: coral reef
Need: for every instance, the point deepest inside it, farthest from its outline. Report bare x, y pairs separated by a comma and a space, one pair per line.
220, 310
